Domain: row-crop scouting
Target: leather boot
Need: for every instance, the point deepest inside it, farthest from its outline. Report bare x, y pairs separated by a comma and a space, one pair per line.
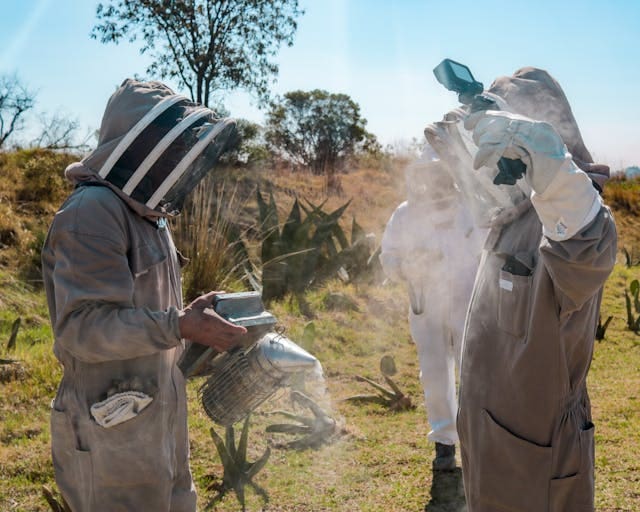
445, 459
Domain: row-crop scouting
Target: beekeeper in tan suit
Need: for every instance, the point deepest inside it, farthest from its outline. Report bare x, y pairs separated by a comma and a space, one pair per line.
524, 418
111, 273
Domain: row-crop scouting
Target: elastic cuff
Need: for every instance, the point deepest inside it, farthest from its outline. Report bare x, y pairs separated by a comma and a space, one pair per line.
568, 204
174, 326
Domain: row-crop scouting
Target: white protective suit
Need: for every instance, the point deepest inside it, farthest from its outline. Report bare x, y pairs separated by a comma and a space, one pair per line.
431, 244
112, 278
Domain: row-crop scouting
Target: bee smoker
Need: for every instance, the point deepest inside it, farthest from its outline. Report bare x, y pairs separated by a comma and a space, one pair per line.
239, 380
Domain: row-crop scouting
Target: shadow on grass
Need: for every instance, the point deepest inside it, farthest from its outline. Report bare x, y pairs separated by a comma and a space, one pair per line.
447, 492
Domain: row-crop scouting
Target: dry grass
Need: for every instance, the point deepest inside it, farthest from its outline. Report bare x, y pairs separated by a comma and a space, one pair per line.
382, 460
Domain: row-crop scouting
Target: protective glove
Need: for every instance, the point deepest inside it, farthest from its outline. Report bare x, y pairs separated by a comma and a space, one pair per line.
500, 134
562, 194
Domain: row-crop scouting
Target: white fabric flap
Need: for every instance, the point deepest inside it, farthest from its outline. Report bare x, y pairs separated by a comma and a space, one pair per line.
119, 408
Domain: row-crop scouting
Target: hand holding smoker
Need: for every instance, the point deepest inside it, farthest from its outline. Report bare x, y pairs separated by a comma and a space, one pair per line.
240, 379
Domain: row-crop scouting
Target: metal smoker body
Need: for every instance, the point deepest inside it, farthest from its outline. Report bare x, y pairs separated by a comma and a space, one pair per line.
241, 379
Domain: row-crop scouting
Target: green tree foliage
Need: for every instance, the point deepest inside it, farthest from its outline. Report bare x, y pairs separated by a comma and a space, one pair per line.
247, 147
15, 101
207, 45
317, 129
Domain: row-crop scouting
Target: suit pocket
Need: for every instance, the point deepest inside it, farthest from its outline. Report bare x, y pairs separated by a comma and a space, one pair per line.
575, 492
131, 453
72, 466
512, 473
143, 258
513, 303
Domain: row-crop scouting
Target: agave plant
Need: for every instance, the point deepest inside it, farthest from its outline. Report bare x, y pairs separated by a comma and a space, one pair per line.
631, 258
238, 471
601, 329
307, 249
633, 306
55, 500
15, 327
392, 397
314, 430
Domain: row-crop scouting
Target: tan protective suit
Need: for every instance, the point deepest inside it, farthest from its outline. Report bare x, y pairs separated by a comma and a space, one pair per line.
524, 418
112, 279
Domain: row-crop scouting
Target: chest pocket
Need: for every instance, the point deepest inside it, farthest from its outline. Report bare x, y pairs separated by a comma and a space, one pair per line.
514, 287
143, 258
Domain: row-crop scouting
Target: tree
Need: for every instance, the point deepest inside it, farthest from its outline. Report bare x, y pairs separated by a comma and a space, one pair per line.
207, 45
15, 101
317, 129
58, 131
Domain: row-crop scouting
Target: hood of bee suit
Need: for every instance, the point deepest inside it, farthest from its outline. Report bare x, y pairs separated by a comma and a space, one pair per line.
534, 93
154, 147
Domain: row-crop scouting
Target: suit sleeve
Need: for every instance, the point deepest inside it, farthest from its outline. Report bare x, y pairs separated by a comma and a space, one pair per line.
580, 265
95, 318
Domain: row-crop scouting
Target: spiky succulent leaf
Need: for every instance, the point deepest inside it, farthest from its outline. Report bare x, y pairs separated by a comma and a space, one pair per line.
255, 467
228, 462
287, 428
241, 456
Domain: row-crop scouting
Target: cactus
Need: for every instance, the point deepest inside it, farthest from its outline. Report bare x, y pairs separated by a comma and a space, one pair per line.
238, 472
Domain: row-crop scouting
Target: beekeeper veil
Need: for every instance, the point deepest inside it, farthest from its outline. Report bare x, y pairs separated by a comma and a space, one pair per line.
155, 146
534, 93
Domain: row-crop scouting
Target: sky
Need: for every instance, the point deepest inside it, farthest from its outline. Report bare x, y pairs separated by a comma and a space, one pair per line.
379, 52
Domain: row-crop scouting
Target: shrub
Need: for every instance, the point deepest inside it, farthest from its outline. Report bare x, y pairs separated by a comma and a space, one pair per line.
43, 177
623, 194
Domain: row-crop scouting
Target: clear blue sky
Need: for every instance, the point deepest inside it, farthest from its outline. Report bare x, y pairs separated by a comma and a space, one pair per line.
380, 52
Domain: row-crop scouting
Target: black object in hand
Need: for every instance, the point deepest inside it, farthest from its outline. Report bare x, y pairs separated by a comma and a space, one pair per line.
458, 78
510, 171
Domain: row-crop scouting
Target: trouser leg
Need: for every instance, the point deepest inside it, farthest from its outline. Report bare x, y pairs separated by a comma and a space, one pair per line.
437, 374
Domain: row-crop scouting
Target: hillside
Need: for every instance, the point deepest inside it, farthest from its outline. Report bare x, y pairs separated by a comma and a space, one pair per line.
381, 461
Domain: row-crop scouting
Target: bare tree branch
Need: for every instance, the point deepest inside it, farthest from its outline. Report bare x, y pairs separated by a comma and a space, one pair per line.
15, 101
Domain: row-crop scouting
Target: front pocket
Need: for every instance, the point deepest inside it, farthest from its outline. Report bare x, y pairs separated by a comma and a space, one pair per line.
575, 492
72, 466
133, 452
513, 303
511, 472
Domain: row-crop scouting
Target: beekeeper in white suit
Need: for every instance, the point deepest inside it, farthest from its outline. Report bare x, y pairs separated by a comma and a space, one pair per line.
112, 278
431, 244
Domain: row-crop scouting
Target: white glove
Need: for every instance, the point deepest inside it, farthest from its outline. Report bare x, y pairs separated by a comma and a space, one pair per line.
536, 143
562, 195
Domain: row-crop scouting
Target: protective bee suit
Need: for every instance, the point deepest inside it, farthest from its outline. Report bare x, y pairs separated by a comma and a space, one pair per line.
112, 278
431, 244
524, 420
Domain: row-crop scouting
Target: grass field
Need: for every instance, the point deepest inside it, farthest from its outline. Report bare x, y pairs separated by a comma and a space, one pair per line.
381, 460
